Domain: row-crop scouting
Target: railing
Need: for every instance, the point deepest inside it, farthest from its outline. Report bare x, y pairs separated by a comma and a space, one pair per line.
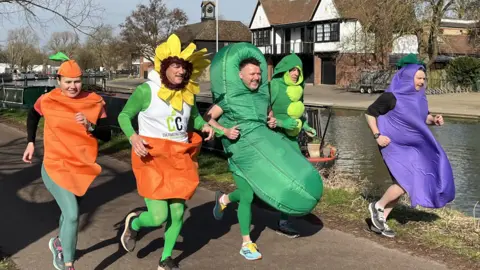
289, 47
12, 95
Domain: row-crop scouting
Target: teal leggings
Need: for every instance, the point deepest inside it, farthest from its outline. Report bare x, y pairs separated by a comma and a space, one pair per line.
157, 214
68, 220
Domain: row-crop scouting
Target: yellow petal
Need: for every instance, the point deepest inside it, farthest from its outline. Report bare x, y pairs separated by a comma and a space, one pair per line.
200, 64
188, 97
162, 51
185, 54
177, 101
174, 45
198, 54
157, 63
165, 94
196, 74
193, 87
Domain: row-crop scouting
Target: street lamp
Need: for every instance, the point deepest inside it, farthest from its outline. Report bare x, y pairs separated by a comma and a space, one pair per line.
216, 19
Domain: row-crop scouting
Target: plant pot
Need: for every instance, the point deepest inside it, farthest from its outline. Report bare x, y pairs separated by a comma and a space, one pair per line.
313, 149
326, 151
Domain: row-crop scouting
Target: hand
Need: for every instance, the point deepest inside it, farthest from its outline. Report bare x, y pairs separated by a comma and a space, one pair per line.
383, 141
310, 130
232, 133
272, 122
288, 123
208, 129
81, 119
138, 145
438, 120
28, 154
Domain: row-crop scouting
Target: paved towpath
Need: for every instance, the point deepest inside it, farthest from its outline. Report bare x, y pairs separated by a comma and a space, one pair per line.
29, 219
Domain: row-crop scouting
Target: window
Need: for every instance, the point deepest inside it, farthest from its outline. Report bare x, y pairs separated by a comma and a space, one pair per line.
261, 37
328, 32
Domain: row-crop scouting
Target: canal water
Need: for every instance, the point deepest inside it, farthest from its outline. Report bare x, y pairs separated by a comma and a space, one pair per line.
359, 157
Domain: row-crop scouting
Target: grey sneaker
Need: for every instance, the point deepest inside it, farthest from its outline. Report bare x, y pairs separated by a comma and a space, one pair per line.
168, 264
129, 236
387, 231
285, 228
377, 216
56, 248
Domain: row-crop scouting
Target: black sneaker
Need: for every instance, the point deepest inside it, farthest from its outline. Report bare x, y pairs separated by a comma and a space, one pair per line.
387, 231
285, 228
377, 216
129, 236
168, 264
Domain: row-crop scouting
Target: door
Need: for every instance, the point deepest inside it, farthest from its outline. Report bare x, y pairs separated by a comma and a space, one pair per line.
329, 71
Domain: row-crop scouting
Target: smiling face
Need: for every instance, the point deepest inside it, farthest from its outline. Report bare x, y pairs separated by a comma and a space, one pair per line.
251, 76
70, 87
175, 73
294, 74
419, 80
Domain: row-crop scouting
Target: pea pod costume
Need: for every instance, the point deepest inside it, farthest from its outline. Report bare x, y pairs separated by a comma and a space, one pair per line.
287, 99
277, 173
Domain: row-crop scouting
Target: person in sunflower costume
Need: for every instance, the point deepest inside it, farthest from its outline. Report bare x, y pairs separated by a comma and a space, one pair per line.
164, 152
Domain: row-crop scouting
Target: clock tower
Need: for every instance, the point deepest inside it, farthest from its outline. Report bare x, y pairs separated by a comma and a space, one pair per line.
208, 10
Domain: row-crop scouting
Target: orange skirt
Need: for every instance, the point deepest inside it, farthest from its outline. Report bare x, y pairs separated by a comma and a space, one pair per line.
170, 170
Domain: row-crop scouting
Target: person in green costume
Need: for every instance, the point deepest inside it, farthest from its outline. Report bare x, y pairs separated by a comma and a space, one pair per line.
261, 161
286, 89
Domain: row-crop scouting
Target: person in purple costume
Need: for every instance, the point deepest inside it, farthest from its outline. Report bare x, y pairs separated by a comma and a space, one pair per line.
418, 165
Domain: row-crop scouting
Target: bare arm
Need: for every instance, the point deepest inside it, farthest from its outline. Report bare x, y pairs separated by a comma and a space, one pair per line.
372, 123
430, 120
212, 115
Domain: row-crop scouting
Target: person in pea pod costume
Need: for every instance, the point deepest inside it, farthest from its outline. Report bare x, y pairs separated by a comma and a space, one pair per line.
286, 89
261, 161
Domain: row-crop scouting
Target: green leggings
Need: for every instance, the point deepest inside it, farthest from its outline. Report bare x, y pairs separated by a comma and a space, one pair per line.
244, 196
67, 201
157, 214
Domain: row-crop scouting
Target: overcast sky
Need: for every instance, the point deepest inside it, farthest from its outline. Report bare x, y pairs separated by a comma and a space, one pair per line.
117, 10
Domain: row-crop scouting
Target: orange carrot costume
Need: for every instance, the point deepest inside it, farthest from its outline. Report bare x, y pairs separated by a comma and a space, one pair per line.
70, 151
69, 163
170, 169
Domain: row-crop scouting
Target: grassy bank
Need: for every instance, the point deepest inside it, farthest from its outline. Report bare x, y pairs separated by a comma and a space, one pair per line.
445, 235
6, 263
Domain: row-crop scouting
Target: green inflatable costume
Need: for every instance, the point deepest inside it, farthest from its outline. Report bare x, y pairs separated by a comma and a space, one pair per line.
278, 174
287, 100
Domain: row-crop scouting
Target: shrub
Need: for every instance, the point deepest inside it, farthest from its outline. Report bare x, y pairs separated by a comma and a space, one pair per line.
464, 72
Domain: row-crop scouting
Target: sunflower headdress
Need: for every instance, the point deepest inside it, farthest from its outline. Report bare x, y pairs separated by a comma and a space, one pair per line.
194, 63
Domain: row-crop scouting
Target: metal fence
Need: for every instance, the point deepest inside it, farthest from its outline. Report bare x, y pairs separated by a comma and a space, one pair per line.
438, 86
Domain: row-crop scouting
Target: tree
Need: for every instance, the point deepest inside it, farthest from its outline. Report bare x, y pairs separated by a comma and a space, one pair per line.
429, 17
22, 47
66, 42
466, 9
149, 25
77, 14
382, 23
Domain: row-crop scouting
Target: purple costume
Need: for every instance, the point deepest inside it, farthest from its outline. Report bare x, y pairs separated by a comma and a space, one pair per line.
414, 157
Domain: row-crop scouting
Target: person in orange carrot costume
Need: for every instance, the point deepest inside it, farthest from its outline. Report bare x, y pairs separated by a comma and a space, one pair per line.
74, 120
164, 152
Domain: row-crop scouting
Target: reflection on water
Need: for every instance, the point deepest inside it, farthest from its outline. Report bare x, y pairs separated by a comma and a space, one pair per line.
359, 156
